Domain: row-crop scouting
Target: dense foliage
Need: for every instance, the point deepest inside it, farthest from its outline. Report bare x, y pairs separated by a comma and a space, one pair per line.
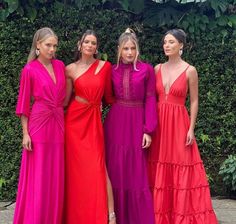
192, 14
212, 53
228, 172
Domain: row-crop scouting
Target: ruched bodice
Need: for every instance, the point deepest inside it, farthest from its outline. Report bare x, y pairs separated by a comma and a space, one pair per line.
41, 183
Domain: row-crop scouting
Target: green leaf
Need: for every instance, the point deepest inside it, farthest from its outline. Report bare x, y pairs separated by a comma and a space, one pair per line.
185, 24
2, 182
104, 56
232, 19
20, 10
136, 6
12, 5
31, 13
3, 14
191, 29
124, 4
204, 19
222, 21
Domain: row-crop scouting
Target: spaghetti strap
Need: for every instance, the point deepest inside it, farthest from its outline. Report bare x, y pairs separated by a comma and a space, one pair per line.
187, 67
159, 69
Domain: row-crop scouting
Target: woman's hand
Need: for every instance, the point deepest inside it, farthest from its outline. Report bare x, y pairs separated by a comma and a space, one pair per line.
26, 142
112, 218
190, 137
146, 141
113, 221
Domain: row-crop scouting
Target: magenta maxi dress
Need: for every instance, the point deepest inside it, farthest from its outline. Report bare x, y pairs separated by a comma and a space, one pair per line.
132, 115
41, 183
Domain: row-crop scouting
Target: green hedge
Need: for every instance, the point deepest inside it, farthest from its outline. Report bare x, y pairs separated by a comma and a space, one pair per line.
214, 61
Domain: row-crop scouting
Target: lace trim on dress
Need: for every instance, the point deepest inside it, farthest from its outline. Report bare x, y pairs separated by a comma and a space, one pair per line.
126, 84
130, 103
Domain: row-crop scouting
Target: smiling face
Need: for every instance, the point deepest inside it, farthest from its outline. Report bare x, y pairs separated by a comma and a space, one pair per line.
47, 48
128, 52
171, 45
89, 45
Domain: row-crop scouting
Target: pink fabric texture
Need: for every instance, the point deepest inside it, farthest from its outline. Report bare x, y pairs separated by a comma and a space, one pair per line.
41, 182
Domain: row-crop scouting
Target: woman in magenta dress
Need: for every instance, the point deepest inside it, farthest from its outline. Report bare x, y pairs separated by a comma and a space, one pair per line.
41, 182
130, 121
177, 176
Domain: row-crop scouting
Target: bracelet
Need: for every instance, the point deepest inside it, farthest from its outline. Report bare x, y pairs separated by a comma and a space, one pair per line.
111, 216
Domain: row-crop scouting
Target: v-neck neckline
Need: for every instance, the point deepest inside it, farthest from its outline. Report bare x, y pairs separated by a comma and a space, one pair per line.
48, 74
167, 93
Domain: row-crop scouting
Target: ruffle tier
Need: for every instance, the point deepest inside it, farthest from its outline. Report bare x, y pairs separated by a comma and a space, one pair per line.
207, 217
182, 194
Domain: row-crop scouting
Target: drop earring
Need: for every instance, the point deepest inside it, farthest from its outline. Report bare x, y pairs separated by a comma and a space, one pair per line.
180, 52
37, 52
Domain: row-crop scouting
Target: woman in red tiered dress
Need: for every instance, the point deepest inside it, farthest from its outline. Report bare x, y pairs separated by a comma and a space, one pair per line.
177, 175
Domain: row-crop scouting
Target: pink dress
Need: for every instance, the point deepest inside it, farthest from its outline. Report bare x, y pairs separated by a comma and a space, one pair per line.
41, 182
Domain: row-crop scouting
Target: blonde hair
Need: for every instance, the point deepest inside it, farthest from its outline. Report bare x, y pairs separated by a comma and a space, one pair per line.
129, 34
39, 36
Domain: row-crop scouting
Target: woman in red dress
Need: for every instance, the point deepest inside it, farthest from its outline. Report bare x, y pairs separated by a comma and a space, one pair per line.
86, 200
177, 175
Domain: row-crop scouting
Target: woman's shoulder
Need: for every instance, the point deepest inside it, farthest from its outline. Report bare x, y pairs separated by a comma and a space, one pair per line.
191, 69
144, 64
72, 66
191, 72
29, 67
157, 67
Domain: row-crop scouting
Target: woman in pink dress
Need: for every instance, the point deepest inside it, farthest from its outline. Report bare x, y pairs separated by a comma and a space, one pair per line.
41, 182
177, 175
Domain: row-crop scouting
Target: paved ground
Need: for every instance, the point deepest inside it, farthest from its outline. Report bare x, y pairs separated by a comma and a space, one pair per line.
225, 210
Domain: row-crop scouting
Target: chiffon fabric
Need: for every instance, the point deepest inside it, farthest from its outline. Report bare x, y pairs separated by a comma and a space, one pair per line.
132, 115
41, 183
177, 175
86, 193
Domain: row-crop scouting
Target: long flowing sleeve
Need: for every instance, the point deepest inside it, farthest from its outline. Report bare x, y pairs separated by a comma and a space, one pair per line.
150, 102
23, 102
108, 92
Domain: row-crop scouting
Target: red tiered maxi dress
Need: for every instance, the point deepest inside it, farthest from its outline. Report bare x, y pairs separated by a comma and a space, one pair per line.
177, 175
86, 195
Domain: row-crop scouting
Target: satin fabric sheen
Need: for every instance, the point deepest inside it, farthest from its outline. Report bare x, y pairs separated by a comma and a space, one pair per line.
41, 183
86, 194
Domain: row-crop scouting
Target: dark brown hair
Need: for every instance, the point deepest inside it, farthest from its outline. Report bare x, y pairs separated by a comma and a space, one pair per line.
179, 34
80, 42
